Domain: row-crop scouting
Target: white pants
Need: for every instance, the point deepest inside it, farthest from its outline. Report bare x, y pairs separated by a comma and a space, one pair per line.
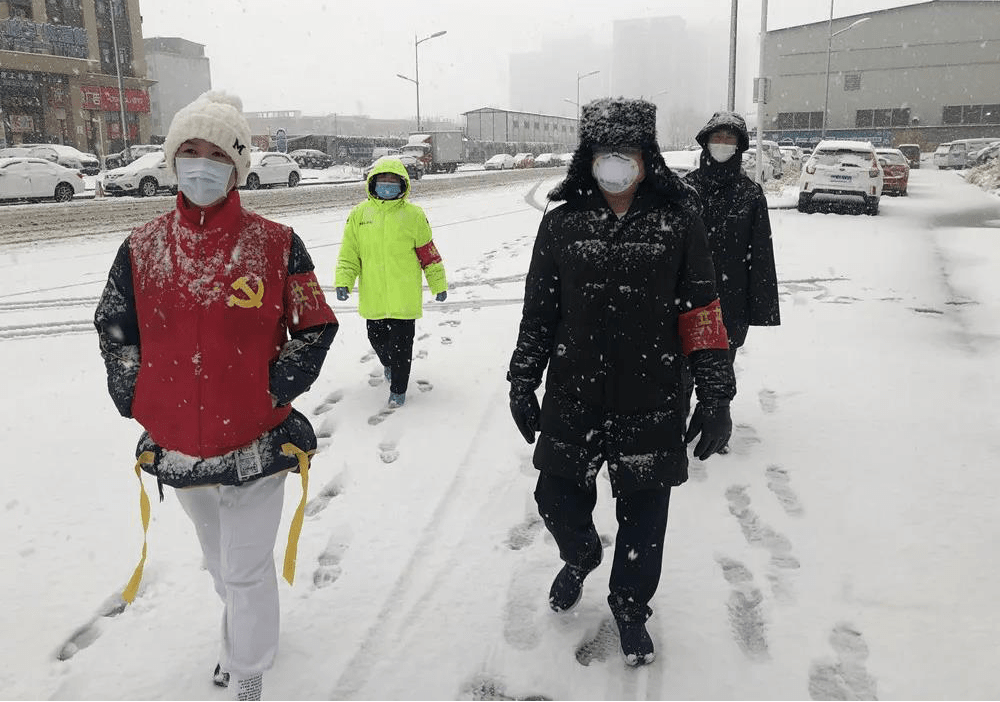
237, 528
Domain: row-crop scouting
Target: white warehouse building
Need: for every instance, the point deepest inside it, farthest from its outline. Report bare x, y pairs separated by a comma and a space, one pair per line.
925, 73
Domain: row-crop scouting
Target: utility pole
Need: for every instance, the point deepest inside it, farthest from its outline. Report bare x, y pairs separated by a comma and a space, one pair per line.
731, 102
761, 93
121, 89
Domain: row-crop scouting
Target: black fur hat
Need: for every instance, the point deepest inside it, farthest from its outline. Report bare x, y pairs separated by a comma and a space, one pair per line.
618, 122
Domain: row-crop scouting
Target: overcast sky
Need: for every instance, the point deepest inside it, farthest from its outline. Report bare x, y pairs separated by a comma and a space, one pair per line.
325, 56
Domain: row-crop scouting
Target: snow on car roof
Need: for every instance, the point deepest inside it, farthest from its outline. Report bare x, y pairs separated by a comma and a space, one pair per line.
834, 144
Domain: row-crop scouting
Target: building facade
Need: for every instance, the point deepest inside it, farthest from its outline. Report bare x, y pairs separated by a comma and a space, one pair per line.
58, 73
494, 125
924, 73
182, 72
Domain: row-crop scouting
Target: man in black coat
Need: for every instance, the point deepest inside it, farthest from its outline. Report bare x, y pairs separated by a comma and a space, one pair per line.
619, 290
739, 231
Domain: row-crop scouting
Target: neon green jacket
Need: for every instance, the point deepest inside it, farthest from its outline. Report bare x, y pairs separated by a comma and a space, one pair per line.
387, 243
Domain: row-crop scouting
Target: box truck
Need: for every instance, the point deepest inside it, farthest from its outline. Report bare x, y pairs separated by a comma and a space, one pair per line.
440, 152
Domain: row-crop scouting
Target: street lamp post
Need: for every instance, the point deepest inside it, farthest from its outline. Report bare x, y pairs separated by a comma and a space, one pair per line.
829, 46
580, 77
416, 68
121, 90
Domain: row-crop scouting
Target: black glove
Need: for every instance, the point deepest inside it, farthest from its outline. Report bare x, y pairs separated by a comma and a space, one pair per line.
342, 294
441, 296
715, 426
526, 413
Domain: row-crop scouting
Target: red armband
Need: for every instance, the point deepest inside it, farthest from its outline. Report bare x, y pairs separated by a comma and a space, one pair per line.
702, 328
428, 254
305, 303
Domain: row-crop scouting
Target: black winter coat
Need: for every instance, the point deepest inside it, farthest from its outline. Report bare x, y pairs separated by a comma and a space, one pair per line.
734, 210
601, 307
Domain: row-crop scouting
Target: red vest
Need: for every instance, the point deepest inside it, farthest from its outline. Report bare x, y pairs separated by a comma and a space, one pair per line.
214, 302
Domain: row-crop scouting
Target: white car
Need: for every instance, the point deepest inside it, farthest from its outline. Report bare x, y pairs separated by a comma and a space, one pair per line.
791, 157
26, 178
145, 177
545, 160
270, 168
750, 166
841, 170
773, 152
499, 162
682, 162
68, 156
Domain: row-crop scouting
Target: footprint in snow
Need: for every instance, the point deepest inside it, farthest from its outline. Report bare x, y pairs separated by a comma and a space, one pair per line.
87, 634
322, 500
424, 386
422, 353
601, 645
523, 534
425, 335
743, 440
387, 451
327, 404
485, 688
846, 678
768, 400
376, 377
328, 569
778, 482
445, 340
380, 416
368, 356
450, 323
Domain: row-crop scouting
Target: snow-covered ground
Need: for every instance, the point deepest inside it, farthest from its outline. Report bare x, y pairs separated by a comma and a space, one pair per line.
844, 549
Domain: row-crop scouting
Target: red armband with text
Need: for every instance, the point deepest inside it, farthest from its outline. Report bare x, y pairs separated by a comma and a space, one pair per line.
428, 254
702, 328
305, 303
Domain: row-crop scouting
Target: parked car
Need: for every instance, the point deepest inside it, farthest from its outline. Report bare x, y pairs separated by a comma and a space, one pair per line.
750, 166
546, 160
125, 157
312, 158
682, 162
896, 170
270, 168
14, 152
842, 170
68, 156
986, 154
564, 159
524, 160
144, 177
791, 159
413, 165
499, 162
957, 154
27, 178
912, 153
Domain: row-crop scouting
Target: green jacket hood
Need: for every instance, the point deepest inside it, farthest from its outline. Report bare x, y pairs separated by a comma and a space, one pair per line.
388, 165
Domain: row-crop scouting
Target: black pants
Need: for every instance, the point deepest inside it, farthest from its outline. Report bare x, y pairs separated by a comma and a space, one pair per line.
392, 340
567, 510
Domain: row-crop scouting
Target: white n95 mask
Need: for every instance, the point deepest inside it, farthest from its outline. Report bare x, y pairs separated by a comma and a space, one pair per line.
615, 172
722, 152
202, 180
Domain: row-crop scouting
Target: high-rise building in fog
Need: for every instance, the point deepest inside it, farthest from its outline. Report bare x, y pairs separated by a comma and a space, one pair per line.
543, 81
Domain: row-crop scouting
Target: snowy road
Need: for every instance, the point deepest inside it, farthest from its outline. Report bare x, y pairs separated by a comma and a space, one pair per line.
843, 550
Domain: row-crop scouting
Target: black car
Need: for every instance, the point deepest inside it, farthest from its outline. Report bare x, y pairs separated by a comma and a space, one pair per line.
312, 158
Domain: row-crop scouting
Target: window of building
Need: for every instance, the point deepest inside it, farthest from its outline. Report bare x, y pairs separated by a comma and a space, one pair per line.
800, 120
64, 12
20, 8
971, 114
882, 117
852, 81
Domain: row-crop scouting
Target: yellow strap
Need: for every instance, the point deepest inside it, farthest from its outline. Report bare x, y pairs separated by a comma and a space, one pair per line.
292, 550
145, 459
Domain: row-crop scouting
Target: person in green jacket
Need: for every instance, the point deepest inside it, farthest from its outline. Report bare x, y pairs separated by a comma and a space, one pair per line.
387, 244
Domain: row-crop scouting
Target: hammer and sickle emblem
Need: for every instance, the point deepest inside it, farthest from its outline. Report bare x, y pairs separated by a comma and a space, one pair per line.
253, 299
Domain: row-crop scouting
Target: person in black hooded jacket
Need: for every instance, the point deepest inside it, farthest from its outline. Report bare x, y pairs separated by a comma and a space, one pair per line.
739, 231
619, 290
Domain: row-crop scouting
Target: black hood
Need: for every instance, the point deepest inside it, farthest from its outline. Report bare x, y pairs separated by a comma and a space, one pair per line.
732, 121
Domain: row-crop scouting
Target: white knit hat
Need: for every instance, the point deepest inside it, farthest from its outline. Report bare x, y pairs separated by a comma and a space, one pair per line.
216, 116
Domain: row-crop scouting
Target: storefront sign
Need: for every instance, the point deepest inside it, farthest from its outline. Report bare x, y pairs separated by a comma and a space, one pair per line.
18, 34
106, 99
22, 123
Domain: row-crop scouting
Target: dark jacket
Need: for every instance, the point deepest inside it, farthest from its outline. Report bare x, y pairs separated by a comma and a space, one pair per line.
734, 210
601, 306
194, 325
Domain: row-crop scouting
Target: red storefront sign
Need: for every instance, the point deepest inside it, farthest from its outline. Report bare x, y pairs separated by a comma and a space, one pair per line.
106, 99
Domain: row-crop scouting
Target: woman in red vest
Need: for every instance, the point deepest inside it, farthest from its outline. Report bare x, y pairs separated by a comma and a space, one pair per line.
211, 323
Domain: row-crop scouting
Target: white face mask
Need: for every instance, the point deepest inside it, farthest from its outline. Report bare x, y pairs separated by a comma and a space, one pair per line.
722, 152
202, 180
615, 172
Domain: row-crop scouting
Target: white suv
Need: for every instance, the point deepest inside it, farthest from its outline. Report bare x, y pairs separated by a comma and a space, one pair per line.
145, 177
842, 170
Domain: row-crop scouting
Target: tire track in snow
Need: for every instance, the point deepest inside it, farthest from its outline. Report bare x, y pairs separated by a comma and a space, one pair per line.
419, 581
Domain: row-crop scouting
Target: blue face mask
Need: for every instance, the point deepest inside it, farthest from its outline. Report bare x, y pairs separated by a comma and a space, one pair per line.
388, 191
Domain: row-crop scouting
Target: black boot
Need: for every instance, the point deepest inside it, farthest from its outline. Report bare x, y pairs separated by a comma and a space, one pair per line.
637, 647
567, 588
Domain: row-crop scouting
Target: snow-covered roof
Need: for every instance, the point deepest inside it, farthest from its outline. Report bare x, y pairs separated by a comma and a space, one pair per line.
831, 144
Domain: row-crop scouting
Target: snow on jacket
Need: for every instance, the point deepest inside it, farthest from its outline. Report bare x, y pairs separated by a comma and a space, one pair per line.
604, 299
734, 210
193, 326
387, 245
